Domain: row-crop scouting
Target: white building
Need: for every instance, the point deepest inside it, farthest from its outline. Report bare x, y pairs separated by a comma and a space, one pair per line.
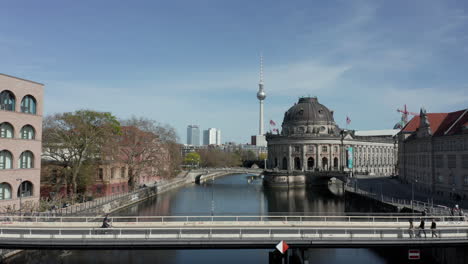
212, 136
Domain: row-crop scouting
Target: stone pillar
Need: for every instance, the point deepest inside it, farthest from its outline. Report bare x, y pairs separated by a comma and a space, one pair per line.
317, 161
304, 162
290, 161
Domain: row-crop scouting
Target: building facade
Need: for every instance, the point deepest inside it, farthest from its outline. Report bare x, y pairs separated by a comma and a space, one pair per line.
433, 153
211, 136
21, 109
193, 135
310, 140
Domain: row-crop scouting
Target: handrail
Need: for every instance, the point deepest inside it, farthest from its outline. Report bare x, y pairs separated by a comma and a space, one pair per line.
234, 218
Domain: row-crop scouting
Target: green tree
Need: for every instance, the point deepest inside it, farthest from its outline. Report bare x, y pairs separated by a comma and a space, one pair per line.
192, 158
72, 139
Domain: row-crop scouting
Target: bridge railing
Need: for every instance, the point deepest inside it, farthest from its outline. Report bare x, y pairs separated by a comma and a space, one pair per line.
261, 219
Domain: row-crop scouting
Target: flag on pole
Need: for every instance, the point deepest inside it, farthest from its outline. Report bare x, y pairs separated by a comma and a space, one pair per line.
282, 246
272, 123
348, 120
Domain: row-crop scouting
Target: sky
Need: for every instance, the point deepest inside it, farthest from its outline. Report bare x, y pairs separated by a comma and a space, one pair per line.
197, 62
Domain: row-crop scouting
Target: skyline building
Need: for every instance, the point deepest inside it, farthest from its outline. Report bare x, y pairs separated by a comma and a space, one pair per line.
193, 135
212, 136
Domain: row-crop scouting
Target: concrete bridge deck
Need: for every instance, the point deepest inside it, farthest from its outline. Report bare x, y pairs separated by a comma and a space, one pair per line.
68, 233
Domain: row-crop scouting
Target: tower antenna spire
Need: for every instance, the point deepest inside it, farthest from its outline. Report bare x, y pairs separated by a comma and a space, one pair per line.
261, 68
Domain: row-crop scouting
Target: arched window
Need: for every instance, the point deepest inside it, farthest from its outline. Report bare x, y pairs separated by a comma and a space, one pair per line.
27, 132
297, 163
7, 101
310, 163
335, 163
284, 164
5, 191
6, 130
5, 160
276, 163
325, 163
26, 160
25, 189
28, 105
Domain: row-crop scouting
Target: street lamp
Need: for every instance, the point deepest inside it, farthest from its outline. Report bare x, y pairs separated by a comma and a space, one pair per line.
21, 193
412, 195
212, 196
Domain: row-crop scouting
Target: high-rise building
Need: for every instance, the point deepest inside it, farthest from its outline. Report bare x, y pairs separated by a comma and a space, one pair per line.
193, 135
212, 136
21, 111
218, 137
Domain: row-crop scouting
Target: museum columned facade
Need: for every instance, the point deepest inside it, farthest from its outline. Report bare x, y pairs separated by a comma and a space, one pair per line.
311, 141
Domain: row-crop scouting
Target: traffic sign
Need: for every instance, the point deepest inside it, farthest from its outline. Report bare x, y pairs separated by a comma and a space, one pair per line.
414, 254
282, 246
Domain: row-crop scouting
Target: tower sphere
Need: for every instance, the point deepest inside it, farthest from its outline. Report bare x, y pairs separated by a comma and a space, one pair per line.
261, 95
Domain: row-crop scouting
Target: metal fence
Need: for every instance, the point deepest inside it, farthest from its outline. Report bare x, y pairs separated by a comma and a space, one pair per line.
250, 219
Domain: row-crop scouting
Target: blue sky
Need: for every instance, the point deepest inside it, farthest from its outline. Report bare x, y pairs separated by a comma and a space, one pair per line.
197, 62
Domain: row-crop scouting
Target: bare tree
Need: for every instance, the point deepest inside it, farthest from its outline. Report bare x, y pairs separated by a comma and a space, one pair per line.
145, 147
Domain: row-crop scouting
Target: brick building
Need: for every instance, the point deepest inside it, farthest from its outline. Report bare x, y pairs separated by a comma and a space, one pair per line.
433, 153
21, 109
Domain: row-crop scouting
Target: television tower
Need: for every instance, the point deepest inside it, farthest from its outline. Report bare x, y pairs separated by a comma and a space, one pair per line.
261, 95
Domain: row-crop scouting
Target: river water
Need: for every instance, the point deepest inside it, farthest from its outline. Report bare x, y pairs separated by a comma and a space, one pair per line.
237, 195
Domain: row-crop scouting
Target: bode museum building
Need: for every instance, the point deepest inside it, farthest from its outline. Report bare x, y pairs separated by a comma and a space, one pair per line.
311, 143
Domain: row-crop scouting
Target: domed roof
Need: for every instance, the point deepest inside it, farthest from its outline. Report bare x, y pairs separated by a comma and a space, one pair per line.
308, 109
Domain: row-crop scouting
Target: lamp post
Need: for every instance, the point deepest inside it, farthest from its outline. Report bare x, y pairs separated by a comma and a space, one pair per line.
21, 193
212, 196
342, 151
412, 195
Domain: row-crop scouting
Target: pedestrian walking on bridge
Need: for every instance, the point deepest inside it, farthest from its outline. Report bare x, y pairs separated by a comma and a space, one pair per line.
433, 228
421, 228
411, 228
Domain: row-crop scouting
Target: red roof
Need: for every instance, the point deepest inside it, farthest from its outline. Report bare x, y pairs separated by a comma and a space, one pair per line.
435, 119
441, 123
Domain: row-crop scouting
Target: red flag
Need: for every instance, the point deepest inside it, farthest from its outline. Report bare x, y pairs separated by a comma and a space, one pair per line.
272, 123
348, 120
282, 246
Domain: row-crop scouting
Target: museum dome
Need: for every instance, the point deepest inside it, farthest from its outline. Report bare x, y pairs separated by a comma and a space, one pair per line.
310, 117
310, 110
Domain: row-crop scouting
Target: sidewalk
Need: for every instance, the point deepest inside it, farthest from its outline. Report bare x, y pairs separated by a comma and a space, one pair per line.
393, 188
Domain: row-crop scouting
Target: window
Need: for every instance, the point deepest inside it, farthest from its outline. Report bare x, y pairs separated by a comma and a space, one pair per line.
6, 130
101, 173
122, 172
7, 101
26, 160
113, 189
28, 105
5, 160
465, 161
25, 189
5, 191
27, 132
311, 148
452, 161
335, 149
324, 148
113, 173
439, 161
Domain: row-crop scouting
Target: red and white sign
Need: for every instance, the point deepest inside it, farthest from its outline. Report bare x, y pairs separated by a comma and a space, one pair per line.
282, 246
414, 254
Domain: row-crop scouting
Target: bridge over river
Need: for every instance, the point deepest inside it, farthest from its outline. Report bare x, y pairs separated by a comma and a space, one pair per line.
211, 232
